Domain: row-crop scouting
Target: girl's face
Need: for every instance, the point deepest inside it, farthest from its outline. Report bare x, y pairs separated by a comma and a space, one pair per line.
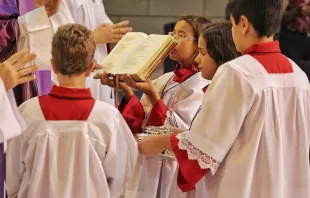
186, 49
206, 64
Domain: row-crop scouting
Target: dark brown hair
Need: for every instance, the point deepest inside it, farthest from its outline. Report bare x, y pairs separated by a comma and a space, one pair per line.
220, 45
73, 49
264, 15
197, 22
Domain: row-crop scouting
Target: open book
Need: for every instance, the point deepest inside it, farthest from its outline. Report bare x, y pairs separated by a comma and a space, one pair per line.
138, 55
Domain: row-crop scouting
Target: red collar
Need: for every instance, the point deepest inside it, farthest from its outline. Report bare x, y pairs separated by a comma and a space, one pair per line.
181, 74
70, 93
268, 47
205, 88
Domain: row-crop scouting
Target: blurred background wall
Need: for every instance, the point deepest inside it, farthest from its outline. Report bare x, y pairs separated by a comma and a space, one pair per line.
158, 16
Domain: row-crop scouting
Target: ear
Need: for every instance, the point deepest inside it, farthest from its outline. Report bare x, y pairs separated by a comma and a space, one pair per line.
54, 67
245, 25
90, 69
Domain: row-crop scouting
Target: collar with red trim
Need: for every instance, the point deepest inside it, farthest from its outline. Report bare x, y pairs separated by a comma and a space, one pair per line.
205, 88
70, 93
181, 74
268, 47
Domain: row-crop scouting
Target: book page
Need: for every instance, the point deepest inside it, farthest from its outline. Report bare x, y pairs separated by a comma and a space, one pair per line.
142, 54
122, 51
146, 72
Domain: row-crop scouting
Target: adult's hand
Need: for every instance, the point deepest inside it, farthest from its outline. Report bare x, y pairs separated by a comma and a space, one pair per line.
12, 71
111, 33
305, 10
51, 6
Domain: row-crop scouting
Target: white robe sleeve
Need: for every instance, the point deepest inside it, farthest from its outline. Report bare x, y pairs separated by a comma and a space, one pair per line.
11, 122
226, 104
122, 154
36, 34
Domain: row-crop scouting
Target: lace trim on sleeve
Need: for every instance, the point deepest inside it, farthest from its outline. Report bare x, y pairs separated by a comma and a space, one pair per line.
171, 120
204, 160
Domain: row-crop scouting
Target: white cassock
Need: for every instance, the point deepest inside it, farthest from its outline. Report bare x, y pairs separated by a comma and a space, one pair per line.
153, 177
90, 13
72, 158
252, 133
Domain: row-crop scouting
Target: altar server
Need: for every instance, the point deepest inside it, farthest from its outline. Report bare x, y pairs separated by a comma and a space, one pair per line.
251, 137
172, 99
73, 146
92, 14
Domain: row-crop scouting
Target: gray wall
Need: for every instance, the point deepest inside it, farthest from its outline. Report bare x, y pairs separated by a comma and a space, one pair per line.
149, 16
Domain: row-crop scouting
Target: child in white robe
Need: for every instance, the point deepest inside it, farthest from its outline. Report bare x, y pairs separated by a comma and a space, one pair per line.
172, 99
73, 146
251, 137
216, 47
92, 14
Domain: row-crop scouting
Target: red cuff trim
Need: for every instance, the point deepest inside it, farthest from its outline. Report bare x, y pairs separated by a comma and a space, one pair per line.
109, 48
123, 104
133, 113
158, 114
190, 172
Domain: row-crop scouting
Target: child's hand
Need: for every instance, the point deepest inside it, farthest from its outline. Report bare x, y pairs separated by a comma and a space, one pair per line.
146, 87
176, 130
152, 146
106, 80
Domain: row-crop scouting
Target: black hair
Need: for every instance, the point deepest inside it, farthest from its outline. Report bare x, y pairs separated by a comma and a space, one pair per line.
220, 45
264, 15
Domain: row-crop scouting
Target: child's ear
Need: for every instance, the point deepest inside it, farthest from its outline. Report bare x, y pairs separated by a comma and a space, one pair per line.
90, 69
245, 24
54, 67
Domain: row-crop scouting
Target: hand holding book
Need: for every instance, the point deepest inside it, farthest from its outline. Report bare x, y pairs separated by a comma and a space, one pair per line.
111, 82
146, 87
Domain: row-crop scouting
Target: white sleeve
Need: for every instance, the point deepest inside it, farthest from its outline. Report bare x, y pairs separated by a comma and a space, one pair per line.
14, 161
122, 154
226, 104
36, 34
183, 112
81, 16
11, 122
